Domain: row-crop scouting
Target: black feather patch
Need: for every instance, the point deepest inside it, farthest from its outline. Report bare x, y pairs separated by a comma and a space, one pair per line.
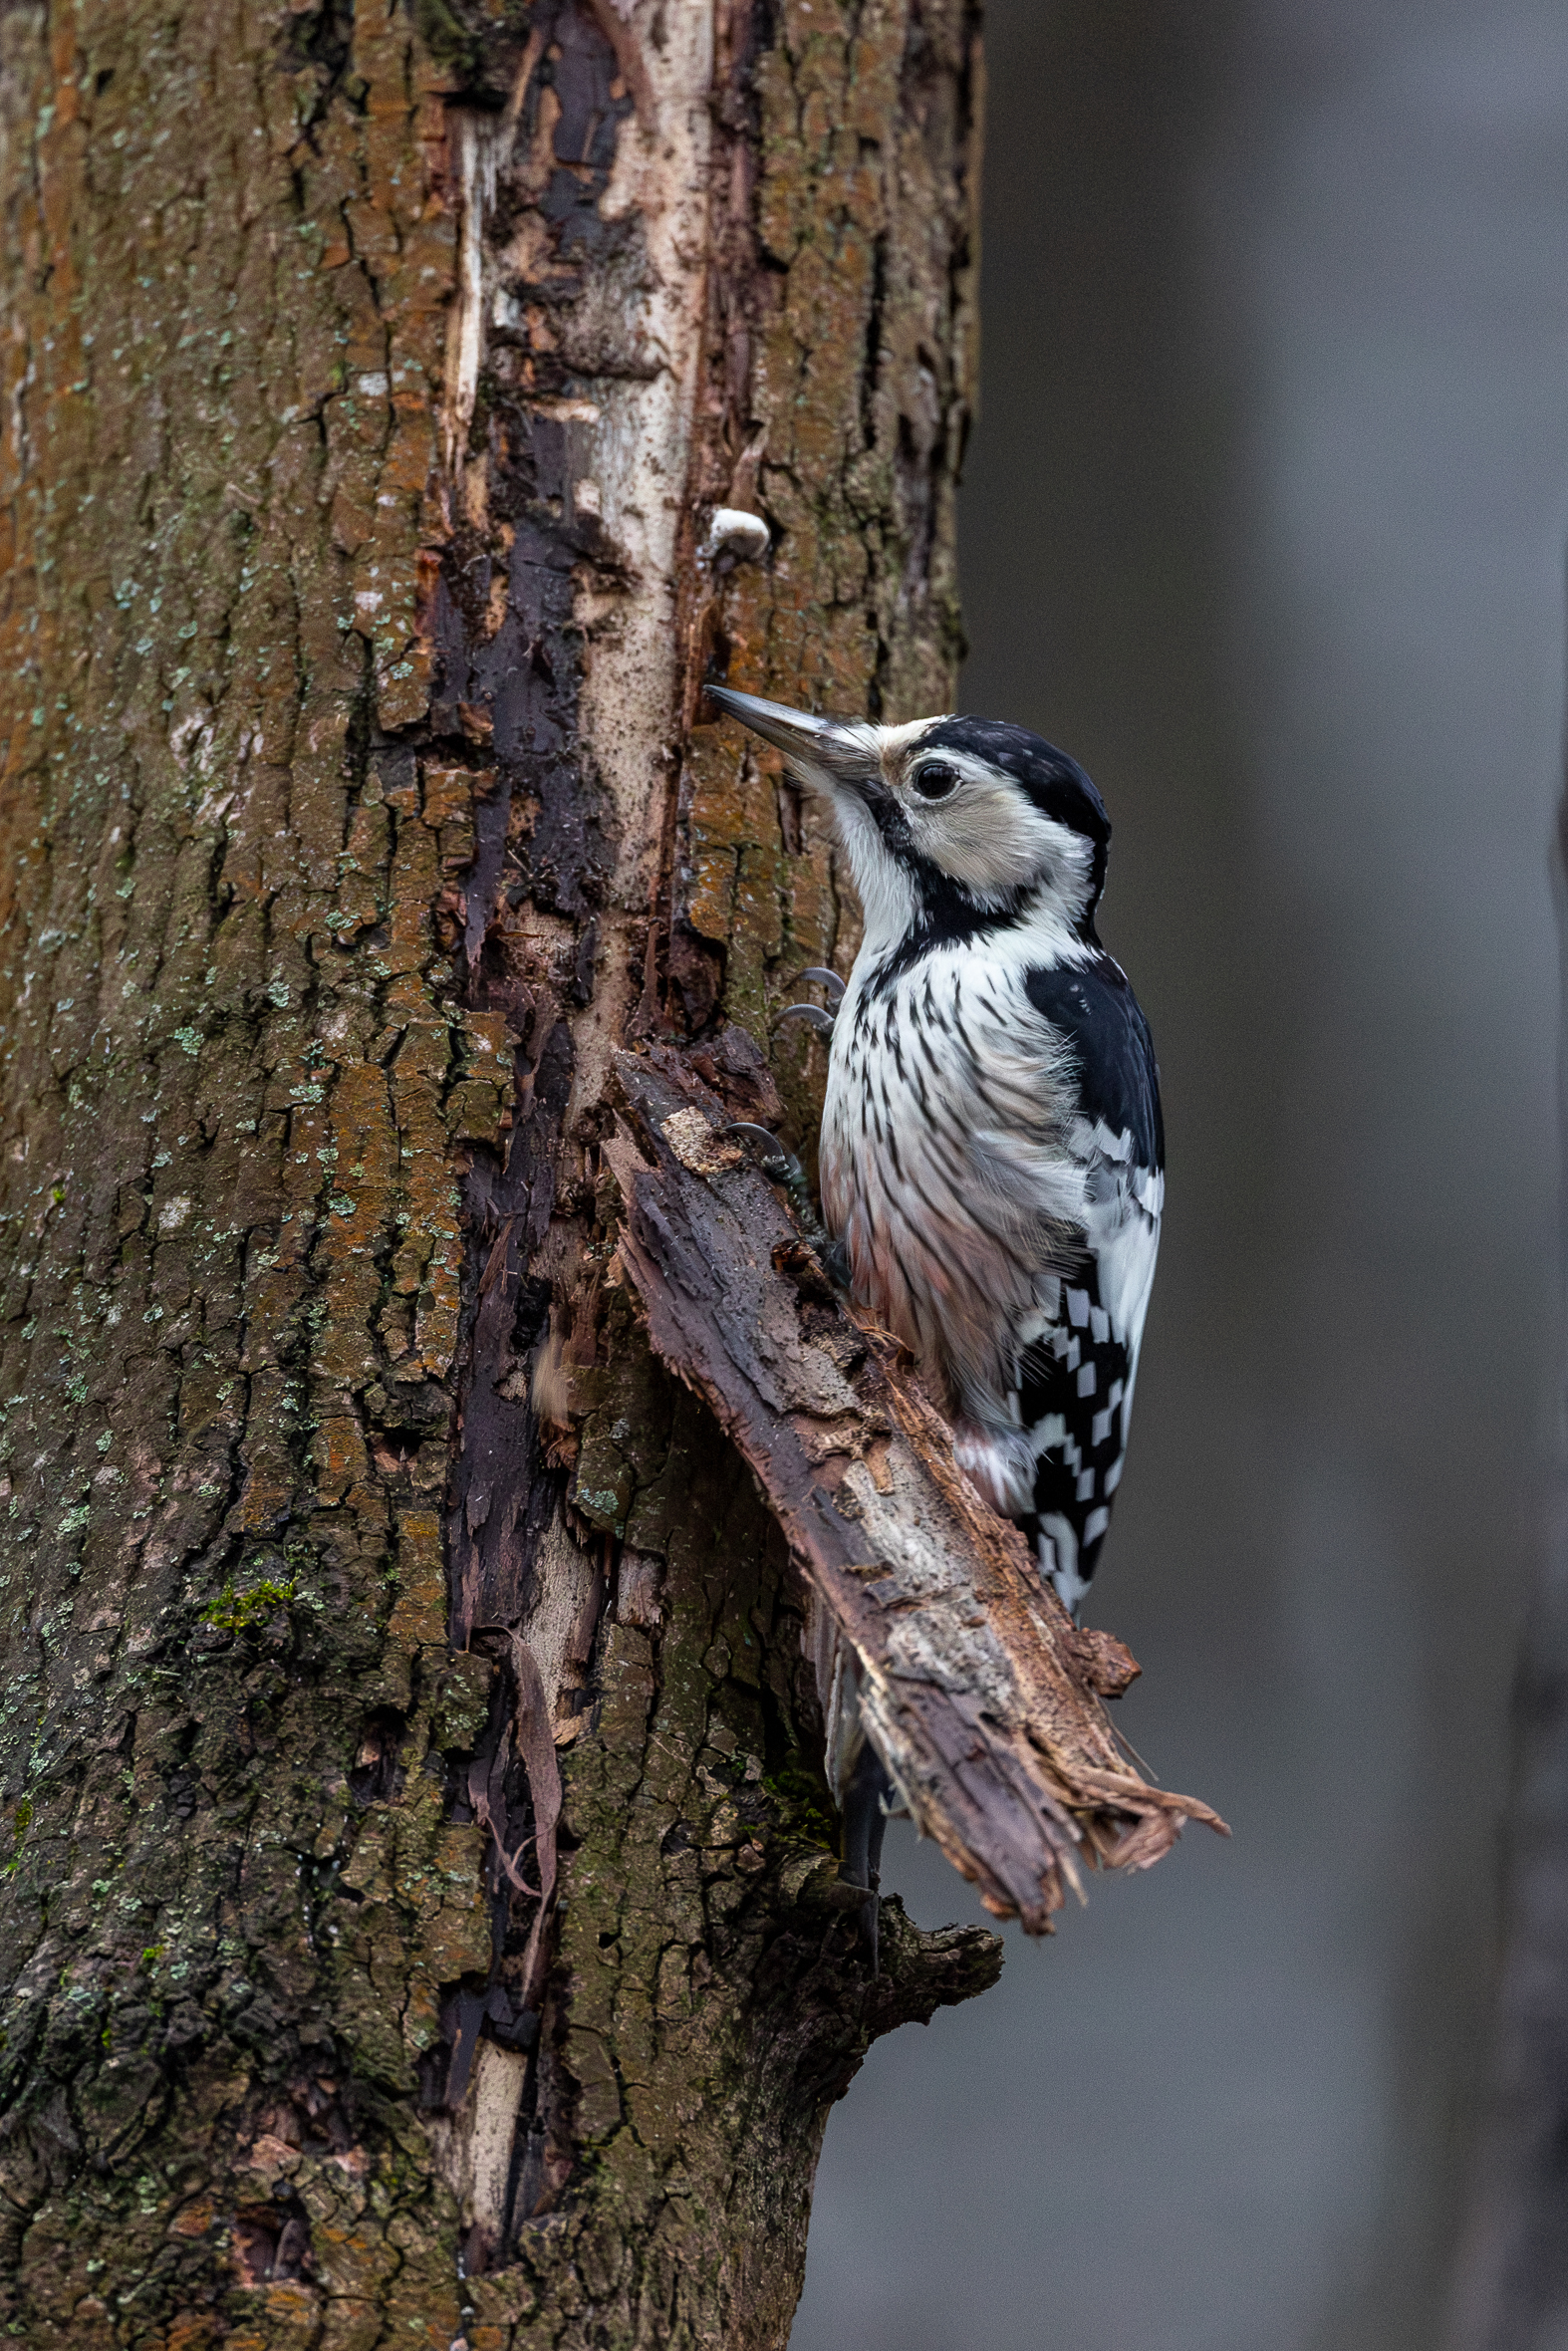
1081, 1371
1092, 1005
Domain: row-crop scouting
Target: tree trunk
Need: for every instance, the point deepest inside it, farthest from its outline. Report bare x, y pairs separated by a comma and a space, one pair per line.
419, 1924
1510, 2282
1511, 2278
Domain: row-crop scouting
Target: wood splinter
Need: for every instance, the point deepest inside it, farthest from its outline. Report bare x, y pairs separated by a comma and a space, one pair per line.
984, 1700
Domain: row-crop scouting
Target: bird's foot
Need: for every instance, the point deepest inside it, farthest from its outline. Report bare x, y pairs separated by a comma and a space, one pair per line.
769, 1156
781, 1167
834, 1259
813, 1014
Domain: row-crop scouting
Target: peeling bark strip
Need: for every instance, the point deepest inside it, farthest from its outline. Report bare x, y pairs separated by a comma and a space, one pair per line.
371, 370
980, 1694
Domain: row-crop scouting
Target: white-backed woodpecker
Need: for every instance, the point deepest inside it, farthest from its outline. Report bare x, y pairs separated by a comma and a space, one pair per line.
992, 1157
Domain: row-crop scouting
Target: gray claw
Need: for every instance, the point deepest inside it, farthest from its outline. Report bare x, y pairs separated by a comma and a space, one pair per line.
779, 1166
782, 1168
826, 980
835, 1262
821, 1021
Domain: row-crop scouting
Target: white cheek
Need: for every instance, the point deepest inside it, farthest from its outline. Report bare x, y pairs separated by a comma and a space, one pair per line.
988, 840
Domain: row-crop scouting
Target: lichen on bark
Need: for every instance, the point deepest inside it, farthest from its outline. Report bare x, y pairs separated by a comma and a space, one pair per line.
369, 372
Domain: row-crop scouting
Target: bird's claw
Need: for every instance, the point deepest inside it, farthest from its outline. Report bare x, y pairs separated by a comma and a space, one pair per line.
834, 1259
777, 1164
782, 1168
813, 1014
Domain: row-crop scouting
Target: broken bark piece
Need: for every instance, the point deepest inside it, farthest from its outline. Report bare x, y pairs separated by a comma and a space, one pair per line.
978, 1691
1105, 1663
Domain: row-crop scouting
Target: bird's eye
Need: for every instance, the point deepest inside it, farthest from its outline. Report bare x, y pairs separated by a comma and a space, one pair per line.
935, 779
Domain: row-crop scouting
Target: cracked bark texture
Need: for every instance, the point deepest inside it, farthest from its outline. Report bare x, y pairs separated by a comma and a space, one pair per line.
420, 1921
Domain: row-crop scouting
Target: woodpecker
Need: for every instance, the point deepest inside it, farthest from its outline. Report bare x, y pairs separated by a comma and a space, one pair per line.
992, 1157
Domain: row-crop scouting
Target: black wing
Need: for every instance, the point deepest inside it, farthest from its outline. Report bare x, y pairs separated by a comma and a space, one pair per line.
1118, 1077
1082, 1370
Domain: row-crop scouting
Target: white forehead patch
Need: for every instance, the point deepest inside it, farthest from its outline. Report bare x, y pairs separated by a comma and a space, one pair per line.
894, 744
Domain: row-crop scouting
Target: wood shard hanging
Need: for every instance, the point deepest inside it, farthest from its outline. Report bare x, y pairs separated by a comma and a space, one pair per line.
983, 1698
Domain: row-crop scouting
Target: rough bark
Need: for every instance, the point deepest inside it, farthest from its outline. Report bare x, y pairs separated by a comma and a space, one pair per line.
419, 1916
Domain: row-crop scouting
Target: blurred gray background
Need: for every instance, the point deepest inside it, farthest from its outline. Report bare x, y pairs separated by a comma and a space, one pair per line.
1265, 521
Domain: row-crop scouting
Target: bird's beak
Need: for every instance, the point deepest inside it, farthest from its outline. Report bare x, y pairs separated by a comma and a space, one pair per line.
830, 753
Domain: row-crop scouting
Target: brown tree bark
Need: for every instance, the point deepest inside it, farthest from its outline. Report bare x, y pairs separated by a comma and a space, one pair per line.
418, 1922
